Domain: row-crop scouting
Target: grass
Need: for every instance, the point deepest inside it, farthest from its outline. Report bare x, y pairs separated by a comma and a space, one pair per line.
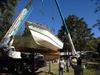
55, 71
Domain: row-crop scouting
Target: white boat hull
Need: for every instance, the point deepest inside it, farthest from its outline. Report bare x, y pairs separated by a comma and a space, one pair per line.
39, 38
44, 38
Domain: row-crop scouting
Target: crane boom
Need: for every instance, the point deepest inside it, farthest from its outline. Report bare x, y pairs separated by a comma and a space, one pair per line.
8, 38
74, 53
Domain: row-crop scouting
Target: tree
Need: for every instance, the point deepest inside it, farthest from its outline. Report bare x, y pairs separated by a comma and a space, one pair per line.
7, 10
97, 3
98, 48
98, 45
97, 10
79, 31
92, 45
97, 24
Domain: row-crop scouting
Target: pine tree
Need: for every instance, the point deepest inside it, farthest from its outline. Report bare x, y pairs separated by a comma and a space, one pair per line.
80, 33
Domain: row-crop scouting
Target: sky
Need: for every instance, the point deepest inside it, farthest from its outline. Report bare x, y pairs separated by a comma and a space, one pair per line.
45, 12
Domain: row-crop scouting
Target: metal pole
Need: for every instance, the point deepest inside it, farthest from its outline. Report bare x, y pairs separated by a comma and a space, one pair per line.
67, 31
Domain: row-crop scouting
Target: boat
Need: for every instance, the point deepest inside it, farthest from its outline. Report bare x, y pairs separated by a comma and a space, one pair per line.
37, 36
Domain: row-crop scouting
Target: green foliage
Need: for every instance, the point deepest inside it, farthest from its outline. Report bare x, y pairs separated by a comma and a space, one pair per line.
97, 10
91, 45
94, 45
7, 10
98, 45
79, 30
97, 24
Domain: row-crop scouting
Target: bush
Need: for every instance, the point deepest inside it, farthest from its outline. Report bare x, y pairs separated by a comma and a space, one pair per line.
93, 66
